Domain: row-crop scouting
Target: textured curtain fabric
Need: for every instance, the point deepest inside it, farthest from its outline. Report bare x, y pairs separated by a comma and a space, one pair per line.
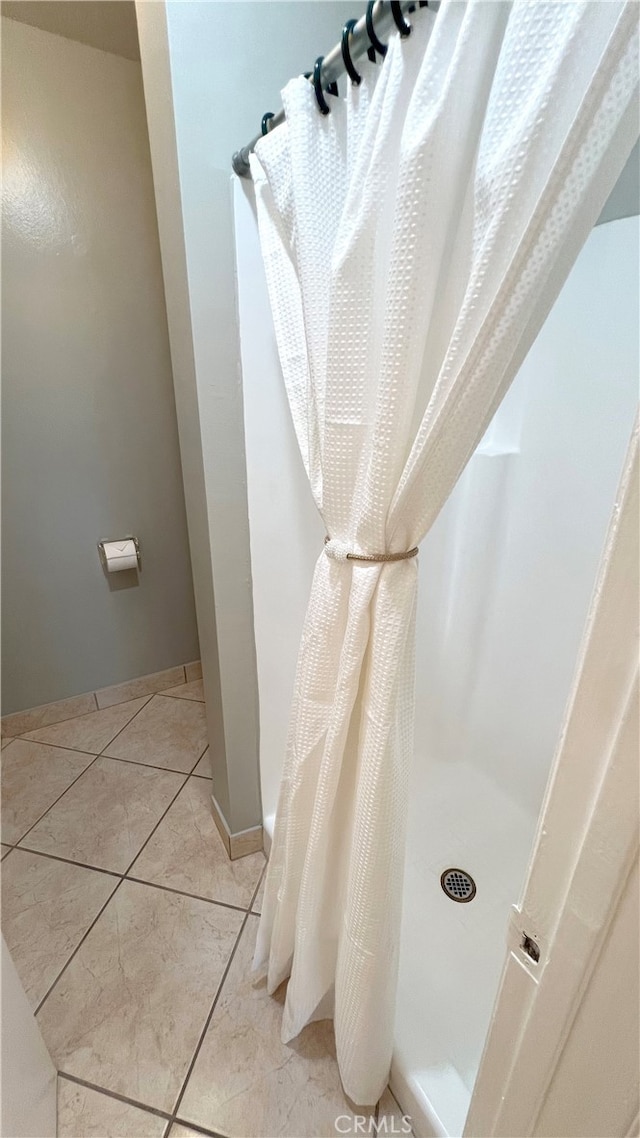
414, 240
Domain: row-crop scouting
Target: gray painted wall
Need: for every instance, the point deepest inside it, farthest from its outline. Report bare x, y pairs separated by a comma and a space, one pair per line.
90, 446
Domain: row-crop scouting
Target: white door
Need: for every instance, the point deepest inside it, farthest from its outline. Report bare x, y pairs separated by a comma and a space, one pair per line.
561, 1057
28, 1075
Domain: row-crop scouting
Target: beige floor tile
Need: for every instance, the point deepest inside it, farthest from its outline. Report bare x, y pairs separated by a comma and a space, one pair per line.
391, 1119
105, 818
144, 685
90, 732
180, 1131
245, 1082
193, 671
5, 740
203, 769
47, 906
169, 733
33, 776
21, 721
128, 1011
186, 852
192, 690
84, 1113
257, 904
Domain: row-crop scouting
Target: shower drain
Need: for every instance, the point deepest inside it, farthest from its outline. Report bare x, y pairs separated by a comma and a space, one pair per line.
458, 885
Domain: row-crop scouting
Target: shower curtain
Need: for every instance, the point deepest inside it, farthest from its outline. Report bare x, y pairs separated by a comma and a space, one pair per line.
414, 240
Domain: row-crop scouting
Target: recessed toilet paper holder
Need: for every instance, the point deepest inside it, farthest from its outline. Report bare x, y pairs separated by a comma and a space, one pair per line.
112, 541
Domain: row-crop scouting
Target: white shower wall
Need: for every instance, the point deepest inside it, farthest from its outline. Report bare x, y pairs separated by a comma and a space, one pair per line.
508, 569
505, 580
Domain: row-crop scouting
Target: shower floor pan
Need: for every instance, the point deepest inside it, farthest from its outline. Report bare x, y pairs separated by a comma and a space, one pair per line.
452, 954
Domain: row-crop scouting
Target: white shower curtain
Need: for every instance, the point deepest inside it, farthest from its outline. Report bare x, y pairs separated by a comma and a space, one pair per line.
414, 240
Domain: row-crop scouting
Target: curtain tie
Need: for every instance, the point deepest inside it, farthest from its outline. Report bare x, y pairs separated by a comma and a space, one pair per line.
339, 551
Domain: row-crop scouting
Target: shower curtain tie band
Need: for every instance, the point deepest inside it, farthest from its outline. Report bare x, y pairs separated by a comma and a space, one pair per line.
339, 551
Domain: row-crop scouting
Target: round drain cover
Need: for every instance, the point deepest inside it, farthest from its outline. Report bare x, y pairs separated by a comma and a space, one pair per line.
458, 885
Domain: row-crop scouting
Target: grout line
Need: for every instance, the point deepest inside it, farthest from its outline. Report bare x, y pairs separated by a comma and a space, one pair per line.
116, 758
128, 877
183, 893
70, 861
66, 965
114, 1094
85, 865
179, 791
184, 698
149, 766
56, 722
67, 788
196, 1127
172, 1118
58, 746
162, 816
101, 754
152, 767
77, 948
122, 877
129, 721
59, 722
208, 1020
61, 746
95, 700
198, 759
257, 889
107, 902
50, 807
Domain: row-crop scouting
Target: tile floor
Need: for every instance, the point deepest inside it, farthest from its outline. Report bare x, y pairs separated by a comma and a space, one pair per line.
133, 934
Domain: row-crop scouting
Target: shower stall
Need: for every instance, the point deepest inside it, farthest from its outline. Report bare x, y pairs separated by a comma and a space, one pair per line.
506, 574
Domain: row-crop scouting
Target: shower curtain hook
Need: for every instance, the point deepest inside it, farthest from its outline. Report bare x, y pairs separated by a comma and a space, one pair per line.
376, 44
355, 78
323, 106
403, 26
265, 122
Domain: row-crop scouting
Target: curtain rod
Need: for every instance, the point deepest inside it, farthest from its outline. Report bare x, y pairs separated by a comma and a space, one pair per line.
333, 66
